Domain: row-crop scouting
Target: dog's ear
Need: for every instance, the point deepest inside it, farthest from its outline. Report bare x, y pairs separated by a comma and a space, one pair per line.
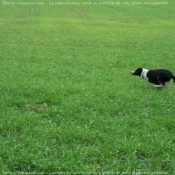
139, 69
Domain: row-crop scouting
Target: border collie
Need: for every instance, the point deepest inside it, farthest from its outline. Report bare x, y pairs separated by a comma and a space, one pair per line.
157, 77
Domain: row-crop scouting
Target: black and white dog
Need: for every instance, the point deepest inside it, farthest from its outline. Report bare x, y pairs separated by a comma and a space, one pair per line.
157, 77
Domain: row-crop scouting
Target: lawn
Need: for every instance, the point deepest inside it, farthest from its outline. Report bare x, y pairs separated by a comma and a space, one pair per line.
69, 104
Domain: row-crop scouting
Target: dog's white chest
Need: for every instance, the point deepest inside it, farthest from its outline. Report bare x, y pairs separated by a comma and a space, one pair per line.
144, 74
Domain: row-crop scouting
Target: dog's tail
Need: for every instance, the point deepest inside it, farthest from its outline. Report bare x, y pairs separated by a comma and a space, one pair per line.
173, 77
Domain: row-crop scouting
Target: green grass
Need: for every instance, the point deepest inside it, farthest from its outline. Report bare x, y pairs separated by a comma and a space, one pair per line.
68, 101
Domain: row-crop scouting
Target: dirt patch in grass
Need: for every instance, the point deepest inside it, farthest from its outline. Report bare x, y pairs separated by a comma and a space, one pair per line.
36, 108
79, 12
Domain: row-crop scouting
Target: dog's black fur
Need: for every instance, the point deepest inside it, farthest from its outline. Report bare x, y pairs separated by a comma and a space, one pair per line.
158, 77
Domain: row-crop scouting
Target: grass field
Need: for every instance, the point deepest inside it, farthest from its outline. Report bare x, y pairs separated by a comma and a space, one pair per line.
68, 101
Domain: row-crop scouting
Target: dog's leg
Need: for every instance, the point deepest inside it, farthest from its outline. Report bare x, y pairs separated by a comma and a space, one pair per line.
161, 81
158, 86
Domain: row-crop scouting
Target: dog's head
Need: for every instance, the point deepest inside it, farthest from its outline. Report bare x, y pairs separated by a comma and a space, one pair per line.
137, 72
